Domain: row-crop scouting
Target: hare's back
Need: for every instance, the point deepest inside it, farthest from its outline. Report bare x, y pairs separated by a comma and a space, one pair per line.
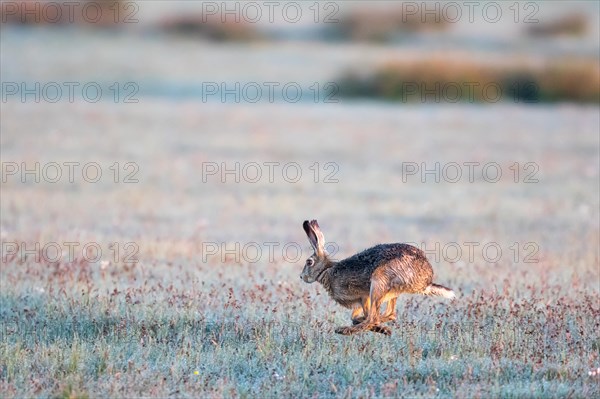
403, 267
381, 255
400, 267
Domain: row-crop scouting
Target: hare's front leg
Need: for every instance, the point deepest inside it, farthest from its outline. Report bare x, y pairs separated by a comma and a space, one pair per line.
390, 311
358, 315
371, 308
373, 321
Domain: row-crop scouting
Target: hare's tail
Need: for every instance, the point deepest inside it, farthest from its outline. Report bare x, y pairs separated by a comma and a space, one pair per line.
439, 290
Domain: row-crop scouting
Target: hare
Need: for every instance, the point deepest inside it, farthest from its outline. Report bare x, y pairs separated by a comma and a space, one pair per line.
369, 279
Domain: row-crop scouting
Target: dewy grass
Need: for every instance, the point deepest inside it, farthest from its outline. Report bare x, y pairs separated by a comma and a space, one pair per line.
174, 325
540, 343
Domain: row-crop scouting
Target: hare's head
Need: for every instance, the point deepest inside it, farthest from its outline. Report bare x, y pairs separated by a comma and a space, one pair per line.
318, 262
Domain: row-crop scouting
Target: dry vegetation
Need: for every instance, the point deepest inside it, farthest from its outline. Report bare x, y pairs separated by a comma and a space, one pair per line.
208, 27
382, 24
566, 25
408, 81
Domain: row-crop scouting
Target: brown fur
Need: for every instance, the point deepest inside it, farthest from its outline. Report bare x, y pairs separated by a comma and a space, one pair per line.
366, 281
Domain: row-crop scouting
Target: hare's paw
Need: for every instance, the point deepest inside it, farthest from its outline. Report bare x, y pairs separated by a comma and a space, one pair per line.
382, 330
358, 320
344, 330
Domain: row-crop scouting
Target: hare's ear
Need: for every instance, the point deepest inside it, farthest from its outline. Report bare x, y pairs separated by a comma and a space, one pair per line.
320, 237
311, 235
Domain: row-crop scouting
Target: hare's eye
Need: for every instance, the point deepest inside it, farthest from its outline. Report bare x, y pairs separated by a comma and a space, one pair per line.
309, 262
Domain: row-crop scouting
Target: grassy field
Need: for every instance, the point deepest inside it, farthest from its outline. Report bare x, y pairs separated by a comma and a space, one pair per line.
181, 323
189, 284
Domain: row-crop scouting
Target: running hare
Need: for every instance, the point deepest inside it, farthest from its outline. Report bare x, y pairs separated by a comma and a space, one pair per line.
367, 280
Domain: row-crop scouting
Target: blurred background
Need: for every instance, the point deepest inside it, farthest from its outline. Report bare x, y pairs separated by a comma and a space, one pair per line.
159, 94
